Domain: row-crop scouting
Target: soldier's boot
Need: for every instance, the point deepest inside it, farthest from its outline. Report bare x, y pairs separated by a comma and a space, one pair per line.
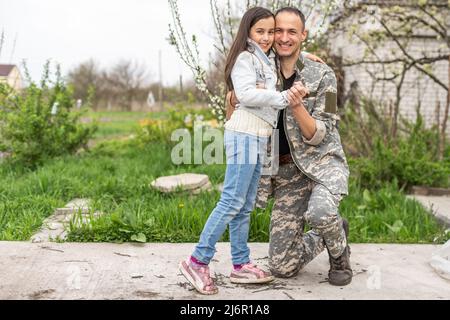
341, 273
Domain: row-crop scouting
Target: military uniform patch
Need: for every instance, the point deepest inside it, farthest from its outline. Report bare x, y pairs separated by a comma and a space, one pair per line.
331, 102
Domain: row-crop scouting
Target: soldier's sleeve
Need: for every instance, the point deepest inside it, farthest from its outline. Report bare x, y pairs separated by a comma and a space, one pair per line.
325, 109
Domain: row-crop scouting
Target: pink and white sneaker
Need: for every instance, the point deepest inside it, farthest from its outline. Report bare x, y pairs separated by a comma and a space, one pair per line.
249, 274
199, 277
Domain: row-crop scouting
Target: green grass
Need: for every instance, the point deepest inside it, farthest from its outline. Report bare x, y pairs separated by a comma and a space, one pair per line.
386, 215
116, 175
117, 124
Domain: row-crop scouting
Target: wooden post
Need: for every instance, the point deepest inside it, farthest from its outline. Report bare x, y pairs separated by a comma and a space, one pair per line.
160, 91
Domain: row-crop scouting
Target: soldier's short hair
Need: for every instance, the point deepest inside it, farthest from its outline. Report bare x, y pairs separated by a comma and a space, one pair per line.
295, 11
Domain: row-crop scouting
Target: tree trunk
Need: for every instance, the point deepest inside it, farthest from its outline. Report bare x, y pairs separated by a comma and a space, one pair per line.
444, 123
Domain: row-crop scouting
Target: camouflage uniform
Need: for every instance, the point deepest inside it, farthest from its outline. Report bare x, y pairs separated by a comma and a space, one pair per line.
310, 189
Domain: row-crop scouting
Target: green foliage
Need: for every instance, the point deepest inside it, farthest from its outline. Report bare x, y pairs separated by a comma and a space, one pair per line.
386, 215
178, 117
407, 163
116, 176
378, 154
40, 122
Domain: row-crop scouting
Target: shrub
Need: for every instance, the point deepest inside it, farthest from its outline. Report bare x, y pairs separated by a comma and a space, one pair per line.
41, 121
178, 117
409, 155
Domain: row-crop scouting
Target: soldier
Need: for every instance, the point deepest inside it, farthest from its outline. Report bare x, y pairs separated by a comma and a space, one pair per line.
313, 173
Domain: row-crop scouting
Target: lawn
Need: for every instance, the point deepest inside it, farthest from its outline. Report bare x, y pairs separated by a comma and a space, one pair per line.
116, 124
116, 175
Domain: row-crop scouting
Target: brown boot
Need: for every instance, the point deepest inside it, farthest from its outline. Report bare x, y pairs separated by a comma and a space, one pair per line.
341, 273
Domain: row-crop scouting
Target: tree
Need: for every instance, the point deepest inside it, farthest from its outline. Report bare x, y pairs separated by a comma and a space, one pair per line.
126, 80
395, 25
84, 78
122, 85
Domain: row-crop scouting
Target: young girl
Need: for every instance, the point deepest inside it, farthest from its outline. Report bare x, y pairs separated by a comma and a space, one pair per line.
251, 72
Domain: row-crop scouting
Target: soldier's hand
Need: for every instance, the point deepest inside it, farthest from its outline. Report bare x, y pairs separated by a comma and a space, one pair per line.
314, 58
300, 88
295, 97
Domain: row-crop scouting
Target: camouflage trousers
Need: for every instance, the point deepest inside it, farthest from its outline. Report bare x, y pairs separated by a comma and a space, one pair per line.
299, 201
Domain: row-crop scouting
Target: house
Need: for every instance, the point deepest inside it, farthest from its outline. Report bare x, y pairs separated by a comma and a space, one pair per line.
10, 74
372, 79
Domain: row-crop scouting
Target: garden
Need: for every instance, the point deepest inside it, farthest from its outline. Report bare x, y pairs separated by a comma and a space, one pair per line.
55, 148
112, 157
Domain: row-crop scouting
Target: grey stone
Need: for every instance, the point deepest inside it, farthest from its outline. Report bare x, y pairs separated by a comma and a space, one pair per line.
55, 227
184, 182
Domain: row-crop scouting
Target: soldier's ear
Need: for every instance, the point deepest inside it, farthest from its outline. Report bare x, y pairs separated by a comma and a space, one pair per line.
304, 35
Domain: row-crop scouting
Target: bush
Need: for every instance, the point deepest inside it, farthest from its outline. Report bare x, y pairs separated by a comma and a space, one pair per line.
40, 122
410, 156
179, 117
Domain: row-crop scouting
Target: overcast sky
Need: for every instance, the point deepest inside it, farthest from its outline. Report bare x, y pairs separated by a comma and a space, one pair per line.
72, 31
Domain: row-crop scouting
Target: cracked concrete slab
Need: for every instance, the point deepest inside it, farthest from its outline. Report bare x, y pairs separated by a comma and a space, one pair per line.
439, 206
55, 227
150, 272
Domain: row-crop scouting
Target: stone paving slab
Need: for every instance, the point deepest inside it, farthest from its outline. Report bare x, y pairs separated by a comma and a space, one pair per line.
150, 271
55, 227
185, 181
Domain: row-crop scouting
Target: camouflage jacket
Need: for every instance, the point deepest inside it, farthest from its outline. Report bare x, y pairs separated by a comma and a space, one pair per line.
322, 158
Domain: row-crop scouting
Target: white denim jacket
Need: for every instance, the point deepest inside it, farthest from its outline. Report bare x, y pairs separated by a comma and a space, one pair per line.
254, 67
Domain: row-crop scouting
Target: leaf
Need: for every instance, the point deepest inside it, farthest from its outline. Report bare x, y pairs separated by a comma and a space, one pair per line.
115, 218
396, 227
150, 222
366, 196
139, 238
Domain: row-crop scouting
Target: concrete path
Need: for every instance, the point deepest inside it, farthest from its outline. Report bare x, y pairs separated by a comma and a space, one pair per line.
439, 207
133, 271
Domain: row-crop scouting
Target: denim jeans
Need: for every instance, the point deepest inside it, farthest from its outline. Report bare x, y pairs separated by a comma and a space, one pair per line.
245, 154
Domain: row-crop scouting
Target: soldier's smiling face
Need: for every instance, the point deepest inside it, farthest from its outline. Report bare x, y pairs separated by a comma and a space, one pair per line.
290, 33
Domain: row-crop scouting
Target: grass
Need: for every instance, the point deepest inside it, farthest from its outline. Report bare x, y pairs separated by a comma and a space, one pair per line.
113, 124
116, 176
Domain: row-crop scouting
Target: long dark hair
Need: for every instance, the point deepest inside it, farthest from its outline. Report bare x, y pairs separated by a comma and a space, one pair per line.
250, 18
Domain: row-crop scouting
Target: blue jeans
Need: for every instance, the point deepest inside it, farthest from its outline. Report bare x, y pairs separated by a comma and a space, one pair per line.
245, 154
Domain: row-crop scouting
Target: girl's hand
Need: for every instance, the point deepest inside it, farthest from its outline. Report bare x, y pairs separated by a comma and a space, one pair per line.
299, 88
314, 58
295, 98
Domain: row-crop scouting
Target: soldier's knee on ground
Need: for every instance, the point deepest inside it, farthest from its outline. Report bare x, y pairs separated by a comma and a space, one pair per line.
322, 217
283, 268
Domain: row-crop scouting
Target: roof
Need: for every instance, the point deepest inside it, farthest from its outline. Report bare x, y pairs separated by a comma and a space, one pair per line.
5, 69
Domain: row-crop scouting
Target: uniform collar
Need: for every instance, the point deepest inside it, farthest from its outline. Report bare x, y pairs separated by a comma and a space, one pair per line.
300, 65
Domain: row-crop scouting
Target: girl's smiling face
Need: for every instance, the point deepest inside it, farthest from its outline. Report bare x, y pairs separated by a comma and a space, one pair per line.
263, 33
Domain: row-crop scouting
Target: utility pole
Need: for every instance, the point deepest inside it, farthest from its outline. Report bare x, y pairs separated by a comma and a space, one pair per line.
181, 83
160, 93
13, 49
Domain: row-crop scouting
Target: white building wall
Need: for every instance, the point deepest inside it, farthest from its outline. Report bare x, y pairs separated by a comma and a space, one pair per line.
417, 88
